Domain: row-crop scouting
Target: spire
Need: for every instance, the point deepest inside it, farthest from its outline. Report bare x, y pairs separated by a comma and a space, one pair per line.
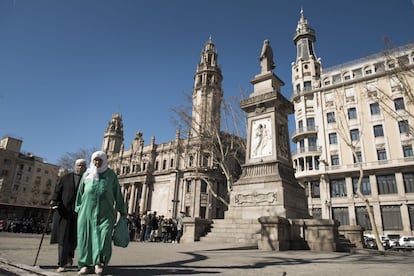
304, 38
207, 91
303, 29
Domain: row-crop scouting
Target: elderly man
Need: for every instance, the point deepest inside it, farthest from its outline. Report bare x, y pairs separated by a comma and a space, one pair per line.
64, 217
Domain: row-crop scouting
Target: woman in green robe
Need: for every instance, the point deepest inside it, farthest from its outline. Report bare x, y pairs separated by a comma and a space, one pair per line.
98, 199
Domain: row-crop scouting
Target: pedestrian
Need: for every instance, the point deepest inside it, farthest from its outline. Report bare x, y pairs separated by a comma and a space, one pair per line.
64, 216
99, 198
179, 226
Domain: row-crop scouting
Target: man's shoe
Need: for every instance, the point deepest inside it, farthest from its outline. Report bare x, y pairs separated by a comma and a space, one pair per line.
61, 269
98, 269
83, 270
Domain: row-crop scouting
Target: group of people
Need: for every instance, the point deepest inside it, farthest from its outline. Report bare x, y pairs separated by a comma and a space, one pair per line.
150, 227
87, 203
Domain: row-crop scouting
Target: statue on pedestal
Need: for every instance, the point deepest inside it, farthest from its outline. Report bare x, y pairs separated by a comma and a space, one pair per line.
266, 58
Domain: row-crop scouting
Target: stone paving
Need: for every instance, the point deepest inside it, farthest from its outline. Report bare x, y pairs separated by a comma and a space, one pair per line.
18, 252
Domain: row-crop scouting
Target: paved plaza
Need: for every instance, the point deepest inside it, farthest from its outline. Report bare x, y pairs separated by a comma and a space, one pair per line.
18, 252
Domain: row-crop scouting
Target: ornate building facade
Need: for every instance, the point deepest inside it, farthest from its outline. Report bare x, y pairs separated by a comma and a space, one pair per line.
173, 177
360, 112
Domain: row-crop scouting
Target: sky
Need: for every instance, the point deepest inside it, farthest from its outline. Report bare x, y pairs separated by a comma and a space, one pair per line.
67, 66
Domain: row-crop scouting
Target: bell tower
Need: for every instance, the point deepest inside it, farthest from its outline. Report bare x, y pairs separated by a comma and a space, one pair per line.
306, 70
114, 135
207, 93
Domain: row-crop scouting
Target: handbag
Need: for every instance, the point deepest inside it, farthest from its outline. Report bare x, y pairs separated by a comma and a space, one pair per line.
121, 233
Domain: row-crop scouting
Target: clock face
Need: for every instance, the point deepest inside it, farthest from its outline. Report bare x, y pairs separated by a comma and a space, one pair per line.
261, 138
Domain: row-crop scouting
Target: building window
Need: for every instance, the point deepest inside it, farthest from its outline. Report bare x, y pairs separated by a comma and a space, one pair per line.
362, 218
206, 158
359, 156
330, 116
381, 154
365, 185
403, 126
171, 162
391, 217
144, 166
203, 212
411, 215
333, 138
310, 123
334, 160
338, 187
190, 160
157, 165
300, 126
307, 85
378, 131
354, 134
352, 114
317, 213
188, 186
386, 184
203, 188
312, 143
407, 150
399, 104
408, 182
375, 109
341, 214
315, 190
164, 164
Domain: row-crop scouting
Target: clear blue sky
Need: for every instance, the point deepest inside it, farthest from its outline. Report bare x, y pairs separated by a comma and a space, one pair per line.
67, 66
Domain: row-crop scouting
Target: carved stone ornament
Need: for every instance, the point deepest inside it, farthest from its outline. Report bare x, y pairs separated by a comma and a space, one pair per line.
256, 198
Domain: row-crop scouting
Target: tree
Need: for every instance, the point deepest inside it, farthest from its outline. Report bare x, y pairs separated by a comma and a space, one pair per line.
353, 143
67, 161
226, 147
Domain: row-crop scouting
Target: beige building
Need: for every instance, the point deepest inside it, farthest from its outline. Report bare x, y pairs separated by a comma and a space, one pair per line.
171, 177
25, 179
356, 112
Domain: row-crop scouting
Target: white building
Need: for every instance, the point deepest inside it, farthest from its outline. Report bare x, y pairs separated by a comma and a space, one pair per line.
366, 104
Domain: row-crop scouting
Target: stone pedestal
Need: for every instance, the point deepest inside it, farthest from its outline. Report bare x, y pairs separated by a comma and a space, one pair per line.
275, 234
317, 234
354, 233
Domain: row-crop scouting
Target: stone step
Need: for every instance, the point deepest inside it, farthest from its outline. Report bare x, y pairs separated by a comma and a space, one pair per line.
233, 234
236, 220
245, 232
233, 240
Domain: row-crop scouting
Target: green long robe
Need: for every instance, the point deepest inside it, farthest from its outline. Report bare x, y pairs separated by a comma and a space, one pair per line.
95, 202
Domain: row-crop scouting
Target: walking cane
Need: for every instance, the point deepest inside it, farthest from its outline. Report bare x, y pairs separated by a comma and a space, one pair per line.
44, 231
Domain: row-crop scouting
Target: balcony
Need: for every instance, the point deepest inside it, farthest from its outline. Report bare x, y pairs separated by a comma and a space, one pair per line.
315, 150
304, 131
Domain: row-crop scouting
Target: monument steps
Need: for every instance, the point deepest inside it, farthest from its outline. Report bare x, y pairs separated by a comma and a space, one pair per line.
245, 232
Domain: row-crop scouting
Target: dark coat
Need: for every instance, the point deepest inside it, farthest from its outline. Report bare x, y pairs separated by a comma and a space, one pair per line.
64, 217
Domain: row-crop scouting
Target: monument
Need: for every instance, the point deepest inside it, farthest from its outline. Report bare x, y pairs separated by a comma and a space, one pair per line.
267, 186
266, 197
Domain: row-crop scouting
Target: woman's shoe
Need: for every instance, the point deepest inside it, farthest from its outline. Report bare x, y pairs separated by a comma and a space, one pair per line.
60, 269
83, 270
98, 269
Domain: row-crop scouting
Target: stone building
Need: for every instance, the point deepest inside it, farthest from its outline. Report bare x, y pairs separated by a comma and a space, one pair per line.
183, 174
356, 112
25, 179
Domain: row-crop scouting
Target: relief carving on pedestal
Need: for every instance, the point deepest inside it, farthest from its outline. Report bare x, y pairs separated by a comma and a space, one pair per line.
256, 199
